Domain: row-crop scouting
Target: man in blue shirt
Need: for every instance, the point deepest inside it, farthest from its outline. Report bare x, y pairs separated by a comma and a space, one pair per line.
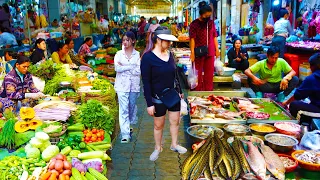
7, 39
309, 88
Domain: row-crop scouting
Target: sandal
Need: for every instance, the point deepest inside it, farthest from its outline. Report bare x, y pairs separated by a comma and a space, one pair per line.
179, 149
155, 154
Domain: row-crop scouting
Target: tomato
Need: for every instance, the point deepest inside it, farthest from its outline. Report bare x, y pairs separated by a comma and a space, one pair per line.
94, 135
85, 132
102, 132
87, 138
93, 139
99, 139
82, 139
90, 141
98, 134
89, 134
102, 138
94, 131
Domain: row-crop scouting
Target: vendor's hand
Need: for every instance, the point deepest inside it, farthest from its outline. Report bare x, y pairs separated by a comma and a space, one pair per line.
217, 53
258, 82
284, 84
238, 59
285, 103
243, 55
192, 57
151, 110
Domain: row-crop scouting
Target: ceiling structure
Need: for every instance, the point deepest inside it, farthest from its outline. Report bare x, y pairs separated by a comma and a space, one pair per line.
155, 7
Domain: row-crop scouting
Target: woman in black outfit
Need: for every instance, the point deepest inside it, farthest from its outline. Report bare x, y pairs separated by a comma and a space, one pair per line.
158, 71
39, 52
238, 56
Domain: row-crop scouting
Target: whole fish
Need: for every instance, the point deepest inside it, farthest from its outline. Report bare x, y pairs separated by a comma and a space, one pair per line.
256, 161
274, 163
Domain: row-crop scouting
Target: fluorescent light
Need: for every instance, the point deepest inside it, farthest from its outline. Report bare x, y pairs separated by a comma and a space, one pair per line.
276, 2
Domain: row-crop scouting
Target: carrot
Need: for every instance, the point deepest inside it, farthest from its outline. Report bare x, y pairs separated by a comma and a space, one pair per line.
53, 176
62, 177
67, 177
46, 176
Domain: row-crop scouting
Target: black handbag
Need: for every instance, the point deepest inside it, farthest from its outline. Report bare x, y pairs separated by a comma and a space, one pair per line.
202, 50
170, 97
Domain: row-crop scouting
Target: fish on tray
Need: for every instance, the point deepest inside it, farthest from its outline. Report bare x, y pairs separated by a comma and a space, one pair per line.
274, 163
256, 160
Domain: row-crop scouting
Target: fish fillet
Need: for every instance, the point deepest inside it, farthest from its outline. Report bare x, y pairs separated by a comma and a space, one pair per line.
274, 163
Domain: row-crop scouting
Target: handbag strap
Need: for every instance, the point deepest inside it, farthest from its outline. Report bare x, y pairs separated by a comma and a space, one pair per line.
208, 34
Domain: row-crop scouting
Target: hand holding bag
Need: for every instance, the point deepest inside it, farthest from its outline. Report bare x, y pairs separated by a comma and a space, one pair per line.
203, 50
169, 97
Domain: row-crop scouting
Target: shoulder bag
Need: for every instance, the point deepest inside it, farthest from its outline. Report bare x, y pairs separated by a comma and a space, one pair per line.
202, 50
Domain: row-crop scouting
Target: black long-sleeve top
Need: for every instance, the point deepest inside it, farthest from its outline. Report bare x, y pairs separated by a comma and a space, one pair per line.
157, 75
232, 55
37, 55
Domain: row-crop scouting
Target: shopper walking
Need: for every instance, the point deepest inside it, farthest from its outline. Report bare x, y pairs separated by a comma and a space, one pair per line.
161, 88
127, 85
282, 29
204, 47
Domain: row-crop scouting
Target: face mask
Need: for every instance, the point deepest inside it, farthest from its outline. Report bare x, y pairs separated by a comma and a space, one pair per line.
154, 22
206, 19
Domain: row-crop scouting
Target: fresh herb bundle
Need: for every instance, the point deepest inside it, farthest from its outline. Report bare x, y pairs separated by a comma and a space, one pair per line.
94, 115
46, 70
7, 134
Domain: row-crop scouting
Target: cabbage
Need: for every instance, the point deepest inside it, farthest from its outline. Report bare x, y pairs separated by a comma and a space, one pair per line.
35, 142
41, 136
27, 147
45, 145
33, 153
50, 152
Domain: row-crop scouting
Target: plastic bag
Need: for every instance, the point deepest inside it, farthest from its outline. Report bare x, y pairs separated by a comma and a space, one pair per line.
193, 77
184, 108
270, 19
311, 141
218, 66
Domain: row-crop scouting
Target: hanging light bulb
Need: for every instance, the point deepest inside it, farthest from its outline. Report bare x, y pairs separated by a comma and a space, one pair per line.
276, 2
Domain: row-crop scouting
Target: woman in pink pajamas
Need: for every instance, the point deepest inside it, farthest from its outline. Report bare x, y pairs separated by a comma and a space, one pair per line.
203, 33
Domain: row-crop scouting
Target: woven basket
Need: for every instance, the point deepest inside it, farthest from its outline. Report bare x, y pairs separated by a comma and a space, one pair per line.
64, 130
85, 96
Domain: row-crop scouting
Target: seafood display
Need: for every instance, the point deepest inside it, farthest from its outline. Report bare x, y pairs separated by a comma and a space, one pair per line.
239, 158
287, 162
309, 157
281, 140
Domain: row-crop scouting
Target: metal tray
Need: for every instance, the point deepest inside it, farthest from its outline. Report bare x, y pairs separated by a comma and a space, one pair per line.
270, 121
217, 122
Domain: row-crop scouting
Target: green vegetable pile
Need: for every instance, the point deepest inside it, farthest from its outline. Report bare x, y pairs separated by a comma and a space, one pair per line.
75, 142
53, 84
69, 94
13, 166
45, 70
112, 51
7, 133
109, 95
94, 115
23, 138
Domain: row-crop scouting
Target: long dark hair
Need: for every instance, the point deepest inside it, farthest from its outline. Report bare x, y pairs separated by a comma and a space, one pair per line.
61, 45
38, 41
235, 40
68, 41
22, 59
152, 40
6, 7
131, 36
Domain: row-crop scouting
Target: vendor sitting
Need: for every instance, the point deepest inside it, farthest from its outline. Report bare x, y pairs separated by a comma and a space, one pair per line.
85, 47
270, 78
39, 54
309, 88
11, 59
62, 56
7, 39
107, 41
238, 56
76, 59
18, 86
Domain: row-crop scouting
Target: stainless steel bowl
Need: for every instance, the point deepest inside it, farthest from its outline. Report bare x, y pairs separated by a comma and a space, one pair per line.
65, 84
207, 130
236, 133
260, 133
278, 147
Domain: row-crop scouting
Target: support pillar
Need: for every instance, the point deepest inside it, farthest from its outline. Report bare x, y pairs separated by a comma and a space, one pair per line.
235, 16
223, 29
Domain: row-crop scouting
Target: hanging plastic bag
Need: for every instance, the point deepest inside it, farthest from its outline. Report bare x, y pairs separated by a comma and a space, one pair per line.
311, 141
193, 77
184, 108
270, 19
218, 66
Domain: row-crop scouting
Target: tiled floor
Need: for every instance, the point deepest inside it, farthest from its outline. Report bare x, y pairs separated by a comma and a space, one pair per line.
131, 161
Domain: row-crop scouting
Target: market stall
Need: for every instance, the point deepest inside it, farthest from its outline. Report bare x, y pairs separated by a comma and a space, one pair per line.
247, 138
67, 134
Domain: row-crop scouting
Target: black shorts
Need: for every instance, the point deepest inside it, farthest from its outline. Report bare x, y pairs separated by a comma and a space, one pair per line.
161, 109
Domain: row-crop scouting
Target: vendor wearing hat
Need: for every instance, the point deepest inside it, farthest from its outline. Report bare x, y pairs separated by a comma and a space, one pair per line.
158, 73
309, 88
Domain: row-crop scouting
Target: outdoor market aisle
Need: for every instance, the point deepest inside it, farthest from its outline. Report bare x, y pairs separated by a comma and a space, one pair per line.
131, 161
